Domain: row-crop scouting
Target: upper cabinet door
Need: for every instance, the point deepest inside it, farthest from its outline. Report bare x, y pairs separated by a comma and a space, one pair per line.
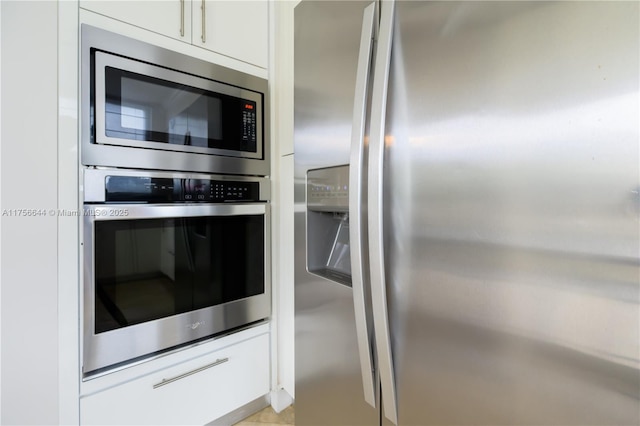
171, 17
235, 28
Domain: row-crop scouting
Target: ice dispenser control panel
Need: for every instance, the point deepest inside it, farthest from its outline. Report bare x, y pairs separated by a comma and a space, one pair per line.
328, 249
328, 189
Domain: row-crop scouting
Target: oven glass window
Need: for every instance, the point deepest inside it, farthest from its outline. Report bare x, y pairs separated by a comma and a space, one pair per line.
144, 108
154, 268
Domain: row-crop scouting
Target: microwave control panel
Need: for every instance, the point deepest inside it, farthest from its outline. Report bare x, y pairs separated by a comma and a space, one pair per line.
249, 122
141, 189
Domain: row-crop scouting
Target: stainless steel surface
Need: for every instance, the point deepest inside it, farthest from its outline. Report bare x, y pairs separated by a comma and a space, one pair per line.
155, 211
181, 18
325, 72
107, 349
189, 373
356, 200
328, 245
511, 212
204, 21
328, 189
328, 372
376, 201
94, 179
506, 178
100, 154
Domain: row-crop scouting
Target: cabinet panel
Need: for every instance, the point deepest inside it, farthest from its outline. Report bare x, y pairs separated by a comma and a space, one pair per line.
171, 17
283, 73
204, 389
238, 29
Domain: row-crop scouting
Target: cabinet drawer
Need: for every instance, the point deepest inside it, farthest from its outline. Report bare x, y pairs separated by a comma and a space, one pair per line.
194, 392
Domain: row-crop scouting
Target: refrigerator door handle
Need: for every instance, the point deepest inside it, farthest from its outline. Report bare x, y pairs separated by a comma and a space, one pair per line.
375, 213
355, 204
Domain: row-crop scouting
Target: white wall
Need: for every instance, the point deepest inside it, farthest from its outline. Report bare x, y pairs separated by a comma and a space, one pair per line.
28, 170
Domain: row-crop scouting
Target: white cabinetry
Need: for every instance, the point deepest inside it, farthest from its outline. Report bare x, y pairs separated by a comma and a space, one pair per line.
196, 391
233, 28
170, 18
238, 29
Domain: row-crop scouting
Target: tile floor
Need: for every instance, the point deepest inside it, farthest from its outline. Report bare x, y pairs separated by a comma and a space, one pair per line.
268, 417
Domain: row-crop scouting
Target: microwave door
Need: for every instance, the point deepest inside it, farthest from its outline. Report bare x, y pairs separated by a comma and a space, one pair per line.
141, 105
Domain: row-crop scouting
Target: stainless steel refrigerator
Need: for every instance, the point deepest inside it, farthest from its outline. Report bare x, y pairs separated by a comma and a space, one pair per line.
467, 213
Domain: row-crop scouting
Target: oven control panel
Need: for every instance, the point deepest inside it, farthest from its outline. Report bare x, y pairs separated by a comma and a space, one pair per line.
178, 190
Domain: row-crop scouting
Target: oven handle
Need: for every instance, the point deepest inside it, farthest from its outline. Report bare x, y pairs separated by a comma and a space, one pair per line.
159, 211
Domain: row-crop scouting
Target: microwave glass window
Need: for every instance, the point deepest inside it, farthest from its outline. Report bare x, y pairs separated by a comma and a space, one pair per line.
144, 108
178, 114
155, 268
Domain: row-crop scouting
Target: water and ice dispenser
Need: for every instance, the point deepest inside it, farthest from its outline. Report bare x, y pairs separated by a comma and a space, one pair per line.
328, 223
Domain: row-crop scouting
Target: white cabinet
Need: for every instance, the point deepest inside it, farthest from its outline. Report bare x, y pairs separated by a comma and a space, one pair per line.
234, 28
194, 392
171, 18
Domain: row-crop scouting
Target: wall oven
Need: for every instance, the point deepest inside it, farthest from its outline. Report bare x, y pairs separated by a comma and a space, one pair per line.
150, 108
170, 258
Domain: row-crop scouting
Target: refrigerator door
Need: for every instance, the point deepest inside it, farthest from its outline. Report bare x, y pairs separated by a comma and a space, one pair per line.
329, 378
512, 212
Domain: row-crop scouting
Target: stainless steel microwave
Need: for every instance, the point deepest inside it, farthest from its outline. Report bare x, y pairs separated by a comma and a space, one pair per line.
145, 107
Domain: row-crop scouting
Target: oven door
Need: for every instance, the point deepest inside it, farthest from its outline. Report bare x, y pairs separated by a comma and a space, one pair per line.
142, 105
159, 276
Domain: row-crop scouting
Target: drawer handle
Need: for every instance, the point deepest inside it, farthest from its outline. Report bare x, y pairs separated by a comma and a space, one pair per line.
182, 376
